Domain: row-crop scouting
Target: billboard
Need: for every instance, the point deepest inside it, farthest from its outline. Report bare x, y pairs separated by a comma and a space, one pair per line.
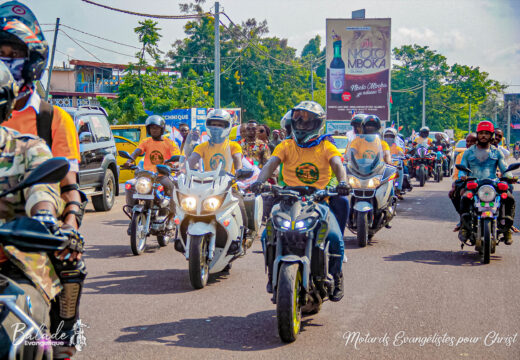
514, 102
358, 67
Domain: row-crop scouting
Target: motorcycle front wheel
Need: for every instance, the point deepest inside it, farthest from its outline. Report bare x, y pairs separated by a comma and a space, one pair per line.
421, 176
486, 238
138, 233
288, 308
362, 228
198, 266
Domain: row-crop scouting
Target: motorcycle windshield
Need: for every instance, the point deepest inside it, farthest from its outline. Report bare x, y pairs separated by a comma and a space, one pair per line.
422, 151
365, 154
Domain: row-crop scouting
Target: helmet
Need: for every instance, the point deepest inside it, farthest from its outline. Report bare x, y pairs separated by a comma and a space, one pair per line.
217, 134
18, 25
485, 126
357, 119
425, 130
8, 92
389, 135
155, 120
285, 123
307, 120
371, 121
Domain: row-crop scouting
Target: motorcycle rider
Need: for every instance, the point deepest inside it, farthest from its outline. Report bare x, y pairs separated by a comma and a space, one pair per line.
309, 149
371, 125
390, 135
497, 139
356, 122
24, 51
483, 159
441, 141
422, 138
157, 149
21, 154
219, 149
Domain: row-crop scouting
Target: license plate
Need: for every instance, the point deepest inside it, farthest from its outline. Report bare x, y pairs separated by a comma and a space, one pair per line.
143, 197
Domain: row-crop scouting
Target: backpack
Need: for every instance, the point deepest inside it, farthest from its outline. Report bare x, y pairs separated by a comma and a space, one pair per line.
44, 122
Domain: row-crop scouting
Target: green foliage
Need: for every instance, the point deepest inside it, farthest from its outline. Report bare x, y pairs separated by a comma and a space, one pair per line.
449, 90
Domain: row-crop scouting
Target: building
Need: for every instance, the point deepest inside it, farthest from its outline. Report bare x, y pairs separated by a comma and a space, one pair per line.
81, 82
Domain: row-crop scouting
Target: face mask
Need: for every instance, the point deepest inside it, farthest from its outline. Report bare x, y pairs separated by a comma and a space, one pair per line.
15, 66
390, 140
216, 134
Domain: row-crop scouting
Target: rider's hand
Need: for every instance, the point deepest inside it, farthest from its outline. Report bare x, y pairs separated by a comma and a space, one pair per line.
256, 187
343, 189
75, 248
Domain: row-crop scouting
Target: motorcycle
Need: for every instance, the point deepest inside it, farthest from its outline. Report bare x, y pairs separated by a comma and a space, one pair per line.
147, 206
516, 152
485, 210
373, 203
438, 171
211, 228
421, 165
296, 247
406, 184
23, 302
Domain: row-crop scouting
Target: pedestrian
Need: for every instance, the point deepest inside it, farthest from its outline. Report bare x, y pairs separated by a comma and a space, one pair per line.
275, 140
252, 147
263, 133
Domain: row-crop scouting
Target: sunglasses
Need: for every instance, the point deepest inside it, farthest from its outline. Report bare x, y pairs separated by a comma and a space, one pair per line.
261, 131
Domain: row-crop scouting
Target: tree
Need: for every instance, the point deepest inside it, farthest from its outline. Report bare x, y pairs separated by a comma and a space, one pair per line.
149, 37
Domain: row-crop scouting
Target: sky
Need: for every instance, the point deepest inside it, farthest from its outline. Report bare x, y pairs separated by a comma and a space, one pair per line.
484, 33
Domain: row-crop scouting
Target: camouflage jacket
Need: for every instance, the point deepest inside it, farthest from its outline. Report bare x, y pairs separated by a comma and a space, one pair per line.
19, 155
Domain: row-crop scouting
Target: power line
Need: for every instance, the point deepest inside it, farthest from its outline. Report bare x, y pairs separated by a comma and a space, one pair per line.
99, 47
169, 17
99, 37
77, 43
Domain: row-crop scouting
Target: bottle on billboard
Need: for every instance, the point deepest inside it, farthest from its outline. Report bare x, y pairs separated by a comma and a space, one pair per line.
336, 70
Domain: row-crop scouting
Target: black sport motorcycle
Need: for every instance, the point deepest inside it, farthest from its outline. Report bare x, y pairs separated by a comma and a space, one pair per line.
486, 210
24, 305
147, 206
297, 253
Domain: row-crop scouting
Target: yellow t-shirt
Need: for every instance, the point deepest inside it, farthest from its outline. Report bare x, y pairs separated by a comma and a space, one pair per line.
212, 155
156, 152
458, 160
366, 149
306, 166
395, 149
422, 141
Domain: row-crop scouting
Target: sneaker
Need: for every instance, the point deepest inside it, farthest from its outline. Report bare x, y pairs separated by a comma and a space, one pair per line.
463, 235
269, 286
457, 228
63, 352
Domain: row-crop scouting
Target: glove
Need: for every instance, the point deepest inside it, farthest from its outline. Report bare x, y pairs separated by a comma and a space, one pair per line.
256, 187
47, 218
343, 189
239, 173
77, 242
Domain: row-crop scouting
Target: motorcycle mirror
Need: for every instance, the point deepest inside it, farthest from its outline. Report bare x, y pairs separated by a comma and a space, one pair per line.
124, 154
245, 174
164, 170
513, 167
174, 158
49, 172
463, 168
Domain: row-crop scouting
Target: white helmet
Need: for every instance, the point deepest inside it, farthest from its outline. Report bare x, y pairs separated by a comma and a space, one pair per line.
218, 134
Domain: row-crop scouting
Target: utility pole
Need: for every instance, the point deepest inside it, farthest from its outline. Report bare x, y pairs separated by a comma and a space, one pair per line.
312, 77
217, 57
52, 59
423, 103
469, 119
508, 122
397, 120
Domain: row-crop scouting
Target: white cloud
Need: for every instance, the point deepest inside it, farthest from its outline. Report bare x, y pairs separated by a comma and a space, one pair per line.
448, 41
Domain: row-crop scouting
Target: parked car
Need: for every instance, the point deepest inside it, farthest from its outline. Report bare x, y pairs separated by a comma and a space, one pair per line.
98, 175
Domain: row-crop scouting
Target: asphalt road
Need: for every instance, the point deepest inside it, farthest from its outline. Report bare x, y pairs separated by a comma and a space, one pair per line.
411, 294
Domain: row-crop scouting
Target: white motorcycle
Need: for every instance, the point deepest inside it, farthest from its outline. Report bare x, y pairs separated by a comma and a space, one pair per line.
211, 227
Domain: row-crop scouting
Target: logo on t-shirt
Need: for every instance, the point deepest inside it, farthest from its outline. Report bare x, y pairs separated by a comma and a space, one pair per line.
215, 160
156, 157
307, 173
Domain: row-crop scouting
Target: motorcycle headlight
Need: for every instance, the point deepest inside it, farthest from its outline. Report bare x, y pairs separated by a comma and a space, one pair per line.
211, 204
354, 182
188, 203
373, 183
283, 223
143, 185
487, 193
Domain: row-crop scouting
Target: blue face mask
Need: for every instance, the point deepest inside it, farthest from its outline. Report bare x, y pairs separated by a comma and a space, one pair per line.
15, 65
216, 134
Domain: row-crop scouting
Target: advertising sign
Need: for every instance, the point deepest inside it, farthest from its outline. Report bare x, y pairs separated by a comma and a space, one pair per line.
514, 102
337, 127
358, 67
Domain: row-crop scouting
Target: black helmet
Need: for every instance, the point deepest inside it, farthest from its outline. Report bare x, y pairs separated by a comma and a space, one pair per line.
371, 121
155, 120
18, 25
425, 130
357, 119
307, 121
8, 92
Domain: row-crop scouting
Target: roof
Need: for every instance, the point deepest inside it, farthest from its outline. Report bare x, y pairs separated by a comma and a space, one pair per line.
83, 94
